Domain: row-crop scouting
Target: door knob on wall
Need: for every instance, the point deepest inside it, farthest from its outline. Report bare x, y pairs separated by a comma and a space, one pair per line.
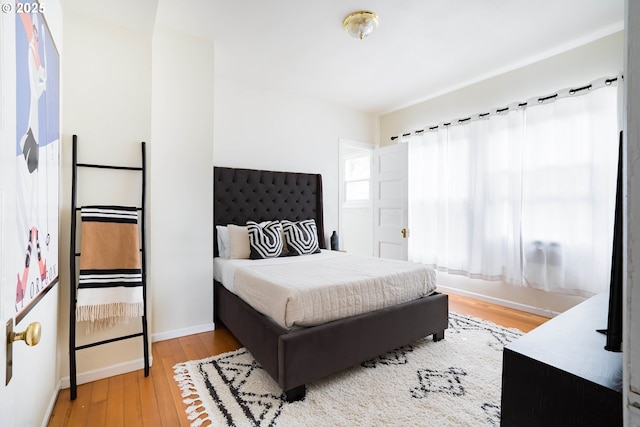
31, 337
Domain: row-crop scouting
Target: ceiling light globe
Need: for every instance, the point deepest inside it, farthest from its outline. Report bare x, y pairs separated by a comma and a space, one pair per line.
361, 24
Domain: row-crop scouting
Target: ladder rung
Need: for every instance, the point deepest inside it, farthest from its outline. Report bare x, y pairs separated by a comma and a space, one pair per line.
79, 209
82, 347
91, 165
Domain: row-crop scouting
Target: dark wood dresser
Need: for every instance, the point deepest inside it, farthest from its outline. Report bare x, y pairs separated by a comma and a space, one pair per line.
559, 374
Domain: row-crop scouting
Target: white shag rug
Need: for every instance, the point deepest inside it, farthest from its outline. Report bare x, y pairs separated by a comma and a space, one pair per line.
453, 382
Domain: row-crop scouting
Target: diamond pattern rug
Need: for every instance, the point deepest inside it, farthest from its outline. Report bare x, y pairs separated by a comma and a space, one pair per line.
453, 382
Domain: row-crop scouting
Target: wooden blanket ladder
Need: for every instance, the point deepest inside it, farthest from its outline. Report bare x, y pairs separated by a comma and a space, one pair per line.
75, 254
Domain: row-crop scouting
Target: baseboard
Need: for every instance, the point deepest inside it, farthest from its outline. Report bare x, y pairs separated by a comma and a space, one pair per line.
109, 371
136, 364
505, 303
177, 333
52, 404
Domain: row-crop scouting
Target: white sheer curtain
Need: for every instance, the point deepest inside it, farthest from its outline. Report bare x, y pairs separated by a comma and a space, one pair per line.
526, 196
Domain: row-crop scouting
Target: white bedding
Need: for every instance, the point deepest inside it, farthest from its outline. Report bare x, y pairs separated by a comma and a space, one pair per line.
313, 289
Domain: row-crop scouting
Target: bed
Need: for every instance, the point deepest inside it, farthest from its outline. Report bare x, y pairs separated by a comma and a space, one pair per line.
294, 357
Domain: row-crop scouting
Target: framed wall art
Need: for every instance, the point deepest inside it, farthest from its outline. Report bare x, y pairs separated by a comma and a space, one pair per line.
37, 158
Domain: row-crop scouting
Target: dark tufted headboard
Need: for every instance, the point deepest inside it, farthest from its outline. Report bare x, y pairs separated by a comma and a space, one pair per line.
241, 195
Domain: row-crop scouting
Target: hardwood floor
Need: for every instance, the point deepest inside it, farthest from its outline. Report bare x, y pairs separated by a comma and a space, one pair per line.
503, 316
133, 400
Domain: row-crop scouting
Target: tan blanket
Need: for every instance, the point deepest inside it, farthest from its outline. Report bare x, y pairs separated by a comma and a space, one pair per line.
309, 293
110, 279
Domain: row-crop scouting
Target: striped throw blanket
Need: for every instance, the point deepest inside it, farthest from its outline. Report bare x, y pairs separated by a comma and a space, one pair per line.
110, 280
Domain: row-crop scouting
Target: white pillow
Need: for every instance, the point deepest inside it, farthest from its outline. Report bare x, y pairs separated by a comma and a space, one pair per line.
223, 241
239, 247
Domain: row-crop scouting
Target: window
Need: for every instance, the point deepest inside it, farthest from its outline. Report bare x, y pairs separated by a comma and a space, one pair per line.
357, 176
526, 197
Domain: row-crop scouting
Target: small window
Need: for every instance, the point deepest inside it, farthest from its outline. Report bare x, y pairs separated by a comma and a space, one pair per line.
357, 174
357, 190
357, 168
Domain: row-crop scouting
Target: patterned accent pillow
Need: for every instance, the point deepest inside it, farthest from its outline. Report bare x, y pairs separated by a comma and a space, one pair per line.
301, 237
265, 239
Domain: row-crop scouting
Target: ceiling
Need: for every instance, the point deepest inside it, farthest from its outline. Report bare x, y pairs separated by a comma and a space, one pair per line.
421, 49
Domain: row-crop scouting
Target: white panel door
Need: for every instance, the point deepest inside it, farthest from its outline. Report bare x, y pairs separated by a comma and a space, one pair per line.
6, 401
7, 65
26, 400
390, 201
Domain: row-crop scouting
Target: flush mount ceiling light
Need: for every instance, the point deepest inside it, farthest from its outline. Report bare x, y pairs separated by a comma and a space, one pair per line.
360, 24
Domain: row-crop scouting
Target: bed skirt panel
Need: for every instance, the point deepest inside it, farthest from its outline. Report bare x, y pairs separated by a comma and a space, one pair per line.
295, 358
257, 333
313, 353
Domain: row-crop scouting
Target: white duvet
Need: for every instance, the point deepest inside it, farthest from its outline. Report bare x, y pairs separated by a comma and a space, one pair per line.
312, 289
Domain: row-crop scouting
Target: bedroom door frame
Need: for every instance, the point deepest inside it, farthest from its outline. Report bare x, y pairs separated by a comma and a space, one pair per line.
391, 202
349, 149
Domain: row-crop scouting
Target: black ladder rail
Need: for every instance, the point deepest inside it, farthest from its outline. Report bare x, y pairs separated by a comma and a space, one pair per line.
73, 278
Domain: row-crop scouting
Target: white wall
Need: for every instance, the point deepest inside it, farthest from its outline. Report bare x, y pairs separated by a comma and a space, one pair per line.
603, 57
263, 129
107, 103
181, 184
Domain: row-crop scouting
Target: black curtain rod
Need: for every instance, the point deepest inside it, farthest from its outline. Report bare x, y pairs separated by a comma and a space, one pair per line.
541, 100
546, 98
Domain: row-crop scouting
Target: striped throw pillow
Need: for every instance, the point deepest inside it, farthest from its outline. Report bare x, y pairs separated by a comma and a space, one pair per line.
301, 237
265, 239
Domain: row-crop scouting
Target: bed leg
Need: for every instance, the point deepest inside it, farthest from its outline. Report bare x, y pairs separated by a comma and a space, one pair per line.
438, 336
217, 323
296, 394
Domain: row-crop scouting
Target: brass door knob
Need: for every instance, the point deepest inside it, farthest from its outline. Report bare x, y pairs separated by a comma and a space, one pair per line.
31, 335
404, 233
